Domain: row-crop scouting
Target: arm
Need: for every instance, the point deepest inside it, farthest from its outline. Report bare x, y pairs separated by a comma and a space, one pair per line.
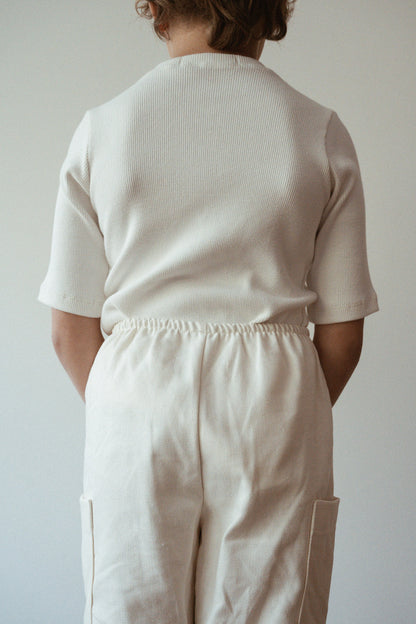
76, 340
339, 349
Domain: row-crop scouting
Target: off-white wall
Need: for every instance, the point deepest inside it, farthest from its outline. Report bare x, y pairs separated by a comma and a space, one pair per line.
59, 59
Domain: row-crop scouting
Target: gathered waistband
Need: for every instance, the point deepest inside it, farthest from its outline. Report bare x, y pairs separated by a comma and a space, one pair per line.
185, 325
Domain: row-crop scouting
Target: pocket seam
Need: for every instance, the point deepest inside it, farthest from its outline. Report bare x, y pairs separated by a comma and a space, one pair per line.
87, 505
330, 517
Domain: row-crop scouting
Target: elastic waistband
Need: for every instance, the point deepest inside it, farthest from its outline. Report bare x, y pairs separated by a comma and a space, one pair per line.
184, 325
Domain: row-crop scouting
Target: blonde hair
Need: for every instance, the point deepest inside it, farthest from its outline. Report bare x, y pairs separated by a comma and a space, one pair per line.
234, 22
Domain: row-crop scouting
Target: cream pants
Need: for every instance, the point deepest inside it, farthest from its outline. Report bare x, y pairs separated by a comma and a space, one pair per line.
208, 476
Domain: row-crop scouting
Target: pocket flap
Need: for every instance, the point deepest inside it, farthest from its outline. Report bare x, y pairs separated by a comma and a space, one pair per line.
86, 513
319, 561
324, 515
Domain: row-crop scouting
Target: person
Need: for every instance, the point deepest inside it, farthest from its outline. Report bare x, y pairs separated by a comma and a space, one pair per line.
204, 217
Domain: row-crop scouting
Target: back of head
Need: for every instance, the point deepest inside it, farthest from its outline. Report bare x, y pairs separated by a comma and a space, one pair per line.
233, 22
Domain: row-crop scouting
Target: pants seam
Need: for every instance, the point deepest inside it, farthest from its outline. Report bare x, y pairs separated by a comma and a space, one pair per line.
198, 418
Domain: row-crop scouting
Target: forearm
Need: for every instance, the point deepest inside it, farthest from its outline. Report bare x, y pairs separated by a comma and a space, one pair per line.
339, 349
337, 369
76, 353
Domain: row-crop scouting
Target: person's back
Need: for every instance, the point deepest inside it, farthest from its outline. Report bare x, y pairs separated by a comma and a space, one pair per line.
208, 179
205, 216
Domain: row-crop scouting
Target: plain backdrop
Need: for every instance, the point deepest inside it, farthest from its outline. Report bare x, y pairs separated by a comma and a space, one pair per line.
58, 60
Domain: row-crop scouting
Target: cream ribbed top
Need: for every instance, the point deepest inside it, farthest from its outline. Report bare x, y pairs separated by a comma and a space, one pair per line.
212, 190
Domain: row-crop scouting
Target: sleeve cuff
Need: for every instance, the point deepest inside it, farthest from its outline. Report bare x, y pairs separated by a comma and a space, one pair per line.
69, 303
320, 313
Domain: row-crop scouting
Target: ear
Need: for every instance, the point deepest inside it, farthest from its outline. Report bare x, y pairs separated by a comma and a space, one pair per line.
153, 9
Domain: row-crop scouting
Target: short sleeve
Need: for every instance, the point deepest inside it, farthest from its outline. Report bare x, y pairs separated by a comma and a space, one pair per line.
78, 267
339, 273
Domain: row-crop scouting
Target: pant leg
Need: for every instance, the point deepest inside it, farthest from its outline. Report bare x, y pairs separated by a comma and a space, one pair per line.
226, 433
142, 491
268, 515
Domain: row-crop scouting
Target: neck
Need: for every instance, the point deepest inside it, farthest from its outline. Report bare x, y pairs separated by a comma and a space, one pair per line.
183, 41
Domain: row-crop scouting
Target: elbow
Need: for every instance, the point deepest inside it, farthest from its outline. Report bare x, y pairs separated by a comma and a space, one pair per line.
57, 341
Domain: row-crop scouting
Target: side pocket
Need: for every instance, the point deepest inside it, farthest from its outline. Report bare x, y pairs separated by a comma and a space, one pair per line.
87, 554
93, 367
322, 375
314, 605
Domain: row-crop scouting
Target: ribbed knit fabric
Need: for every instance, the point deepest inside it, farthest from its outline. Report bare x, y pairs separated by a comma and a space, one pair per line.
210, 190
